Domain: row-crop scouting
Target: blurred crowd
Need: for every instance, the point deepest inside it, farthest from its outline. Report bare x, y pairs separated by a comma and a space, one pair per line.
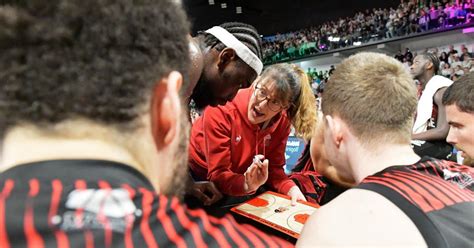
454, 63
409, 17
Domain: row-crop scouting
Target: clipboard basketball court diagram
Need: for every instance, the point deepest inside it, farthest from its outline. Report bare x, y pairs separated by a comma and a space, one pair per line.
275, 210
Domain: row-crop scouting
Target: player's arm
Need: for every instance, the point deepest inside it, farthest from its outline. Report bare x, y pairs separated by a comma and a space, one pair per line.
217, 135
442, 126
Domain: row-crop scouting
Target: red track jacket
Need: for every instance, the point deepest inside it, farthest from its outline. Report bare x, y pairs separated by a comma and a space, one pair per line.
224, 142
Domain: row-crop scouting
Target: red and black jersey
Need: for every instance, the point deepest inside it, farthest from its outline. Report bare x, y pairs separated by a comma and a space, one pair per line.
315, 187
437, 195
432, 122
93, 203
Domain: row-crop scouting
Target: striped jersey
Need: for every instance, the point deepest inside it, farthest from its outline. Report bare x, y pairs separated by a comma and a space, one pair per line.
437, 195
94, 203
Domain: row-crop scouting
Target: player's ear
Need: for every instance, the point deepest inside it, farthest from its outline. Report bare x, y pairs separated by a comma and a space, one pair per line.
166, 109
226, 56
429, 65
335, 129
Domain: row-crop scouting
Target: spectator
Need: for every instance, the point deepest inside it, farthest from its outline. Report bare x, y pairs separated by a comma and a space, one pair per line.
460, 14
424, 21
399, 56
456, 61
406, 64
465, 52
403, 27
414, 27
449, 10
459, 70
331, 70
408, 55
444, 57
434, 15
442, 17
446, 71
452, 50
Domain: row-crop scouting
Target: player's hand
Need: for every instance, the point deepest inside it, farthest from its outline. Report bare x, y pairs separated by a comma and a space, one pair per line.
256, 175
295, 194
206, 192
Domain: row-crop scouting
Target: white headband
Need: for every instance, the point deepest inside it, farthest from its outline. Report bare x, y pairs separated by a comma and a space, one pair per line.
242, 50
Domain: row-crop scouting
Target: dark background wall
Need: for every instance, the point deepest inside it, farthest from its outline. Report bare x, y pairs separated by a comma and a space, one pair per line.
277, 16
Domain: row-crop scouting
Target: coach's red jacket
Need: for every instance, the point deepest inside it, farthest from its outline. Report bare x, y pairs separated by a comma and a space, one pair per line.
223, 144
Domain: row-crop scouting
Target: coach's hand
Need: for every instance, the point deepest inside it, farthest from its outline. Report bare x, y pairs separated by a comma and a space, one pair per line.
256, 175
295, 194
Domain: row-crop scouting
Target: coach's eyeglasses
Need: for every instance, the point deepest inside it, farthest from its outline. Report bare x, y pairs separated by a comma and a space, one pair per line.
261, 94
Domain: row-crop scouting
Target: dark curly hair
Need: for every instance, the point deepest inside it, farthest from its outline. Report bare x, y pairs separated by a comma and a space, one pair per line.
93, 59
433, 59
245, 33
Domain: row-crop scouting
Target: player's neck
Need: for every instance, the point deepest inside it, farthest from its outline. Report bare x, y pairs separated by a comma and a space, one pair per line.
26, 145
425, 78
370, 162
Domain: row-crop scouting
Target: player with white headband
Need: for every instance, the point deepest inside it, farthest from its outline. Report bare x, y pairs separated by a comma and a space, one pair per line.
224, 58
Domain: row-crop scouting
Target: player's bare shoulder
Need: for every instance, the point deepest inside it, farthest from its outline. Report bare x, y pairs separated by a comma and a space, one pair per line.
368, 218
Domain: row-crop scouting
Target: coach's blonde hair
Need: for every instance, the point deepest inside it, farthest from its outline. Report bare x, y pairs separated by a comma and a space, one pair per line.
293, 87
375, 96
305, 110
